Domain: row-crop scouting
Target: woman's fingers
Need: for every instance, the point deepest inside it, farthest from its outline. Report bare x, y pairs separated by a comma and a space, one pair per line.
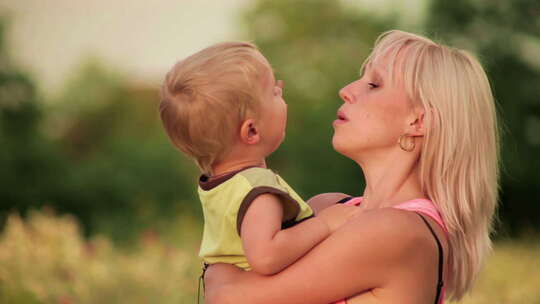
337, 215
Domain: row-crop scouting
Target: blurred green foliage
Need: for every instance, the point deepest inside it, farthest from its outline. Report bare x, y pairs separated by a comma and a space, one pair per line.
28, 159
124, 171
317, 47
506, 37
45, 259
99, 151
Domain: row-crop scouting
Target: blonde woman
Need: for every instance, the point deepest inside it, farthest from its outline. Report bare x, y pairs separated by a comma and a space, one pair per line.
421, 124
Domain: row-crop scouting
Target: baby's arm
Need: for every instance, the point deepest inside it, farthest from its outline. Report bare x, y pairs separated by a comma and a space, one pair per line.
268, 248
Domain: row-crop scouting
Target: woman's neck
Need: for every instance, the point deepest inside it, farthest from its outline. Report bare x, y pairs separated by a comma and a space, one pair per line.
391, 181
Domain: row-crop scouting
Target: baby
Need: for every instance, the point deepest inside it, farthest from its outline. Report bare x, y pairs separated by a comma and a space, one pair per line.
223, 107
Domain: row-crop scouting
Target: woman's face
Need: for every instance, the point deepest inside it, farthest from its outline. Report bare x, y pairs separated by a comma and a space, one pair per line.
374, 114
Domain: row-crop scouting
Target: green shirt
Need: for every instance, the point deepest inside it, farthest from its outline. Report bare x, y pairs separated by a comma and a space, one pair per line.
225, 201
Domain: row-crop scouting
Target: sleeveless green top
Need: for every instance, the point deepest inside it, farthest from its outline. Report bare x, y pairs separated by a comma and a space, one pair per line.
225, 201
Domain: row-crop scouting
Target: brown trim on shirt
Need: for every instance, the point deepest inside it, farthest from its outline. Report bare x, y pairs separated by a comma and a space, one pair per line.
209, 182
287, 201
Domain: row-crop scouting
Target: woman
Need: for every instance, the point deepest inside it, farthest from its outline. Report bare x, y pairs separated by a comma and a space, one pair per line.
421, 123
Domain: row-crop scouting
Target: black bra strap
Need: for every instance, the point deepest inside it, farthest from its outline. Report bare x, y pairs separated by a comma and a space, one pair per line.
440, 282
344, 200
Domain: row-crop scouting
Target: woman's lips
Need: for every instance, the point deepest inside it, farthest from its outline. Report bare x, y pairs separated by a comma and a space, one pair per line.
341, 118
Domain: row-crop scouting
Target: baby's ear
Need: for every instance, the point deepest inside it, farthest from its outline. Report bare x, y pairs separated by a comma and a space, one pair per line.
249, 134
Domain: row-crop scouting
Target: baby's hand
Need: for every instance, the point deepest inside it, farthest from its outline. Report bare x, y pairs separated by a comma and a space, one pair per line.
335, 216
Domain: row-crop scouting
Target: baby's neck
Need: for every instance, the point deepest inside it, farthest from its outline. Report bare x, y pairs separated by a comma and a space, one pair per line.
235, 165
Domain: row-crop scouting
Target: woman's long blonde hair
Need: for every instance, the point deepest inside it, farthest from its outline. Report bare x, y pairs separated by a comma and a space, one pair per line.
459, 159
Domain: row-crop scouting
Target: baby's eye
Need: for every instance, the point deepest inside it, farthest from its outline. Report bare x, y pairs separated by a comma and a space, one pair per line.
373, 85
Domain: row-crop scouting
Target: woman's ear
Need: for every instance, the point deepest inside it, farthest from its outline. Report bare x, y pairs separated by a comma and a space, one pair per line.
416, 125
249, 134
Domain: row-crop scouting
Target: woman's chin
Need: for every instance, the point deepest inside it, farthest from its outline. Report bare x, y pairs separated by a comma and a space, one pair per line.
347, 148
338, 146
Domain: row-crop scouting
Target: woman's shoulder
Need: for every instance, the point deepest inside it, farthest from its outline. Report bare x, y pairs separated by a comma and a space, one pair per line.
396, 249
399, 233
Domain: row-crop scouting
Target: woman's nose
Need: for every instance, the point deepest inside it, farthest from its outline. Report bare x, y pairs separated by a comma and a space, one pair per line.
345, 95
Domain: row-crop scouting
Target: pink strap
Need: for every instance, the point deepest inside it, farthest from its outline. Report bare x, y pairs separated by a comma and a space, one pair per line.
355, 201
421, 205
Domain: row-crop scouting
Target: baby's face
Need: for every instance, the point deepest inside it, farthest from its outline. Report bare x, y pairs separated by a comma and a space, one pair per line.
273, 116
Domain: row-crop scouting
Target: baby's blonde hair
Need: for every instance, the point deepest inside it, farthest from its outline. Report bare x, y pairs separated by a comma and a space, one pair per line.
459, 160
206, 96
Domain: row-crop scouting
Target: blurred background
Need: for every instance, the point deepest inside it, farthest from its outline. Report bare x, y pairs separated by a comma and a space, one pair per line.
97, 207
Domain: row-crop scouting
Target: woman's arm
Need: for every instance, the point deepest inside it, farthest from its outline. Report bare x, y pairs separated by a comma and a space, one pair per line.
384, 249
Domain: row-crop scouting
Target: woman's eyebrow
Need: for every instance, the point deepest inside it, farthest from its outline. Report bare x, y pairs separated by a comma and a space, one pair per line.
373, 72
376, 73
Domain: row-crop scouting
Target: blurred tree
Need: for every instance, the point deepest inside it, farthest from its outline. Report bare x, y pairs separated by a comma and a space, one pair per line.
506, 36
317, 47
29, 162
124, 172
100, 153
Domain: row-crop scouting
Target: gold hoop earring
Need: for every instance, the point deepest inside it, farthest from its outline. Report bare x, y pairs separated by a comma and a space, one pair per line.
408, 148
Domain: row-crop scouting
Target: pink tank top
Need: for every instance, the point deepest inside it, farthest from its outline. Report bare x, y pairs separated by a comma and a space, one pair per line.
423, 206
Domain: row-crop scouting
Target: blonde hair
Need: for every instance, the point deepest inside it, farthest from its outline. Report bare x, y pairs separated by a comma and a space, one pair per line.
206, 96
459, 159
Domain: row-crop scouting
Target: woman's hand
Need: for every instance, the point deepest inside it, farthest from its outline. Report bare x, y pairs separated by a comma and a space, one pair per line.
216, 278
218, 282
322, 201
337, 215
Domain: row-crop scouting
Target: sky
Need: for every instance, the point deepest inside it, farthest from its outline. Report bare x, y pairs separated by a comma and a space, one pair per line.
140, 38
143, 39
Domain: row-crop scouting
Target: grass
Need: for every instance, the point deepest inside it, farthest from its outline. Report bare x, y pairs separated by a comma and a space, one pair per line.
511, 274
44, 259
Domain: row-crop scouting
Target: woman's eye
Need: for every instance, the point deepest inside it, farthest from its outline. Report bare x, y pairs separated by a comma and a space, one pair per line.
373, 85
